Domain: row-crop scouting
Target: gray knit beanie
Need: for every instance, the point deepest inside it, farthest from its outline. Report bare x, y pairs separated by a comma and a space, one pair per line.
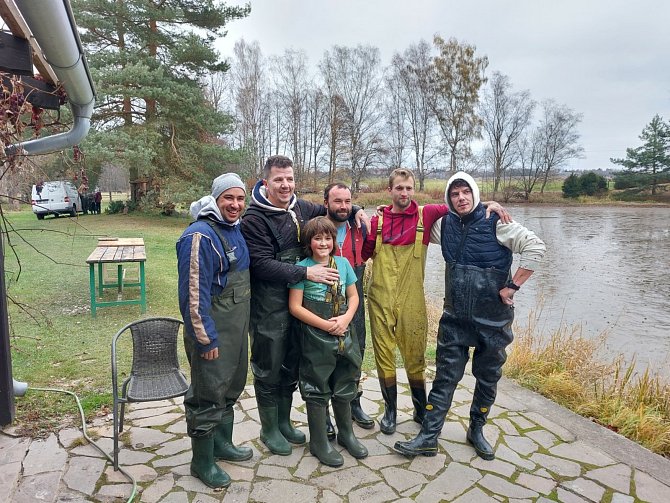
226, 181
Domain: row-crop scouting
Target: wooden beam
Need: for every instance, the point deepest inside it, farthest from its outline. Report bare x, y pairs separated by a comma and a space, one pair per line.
15, 22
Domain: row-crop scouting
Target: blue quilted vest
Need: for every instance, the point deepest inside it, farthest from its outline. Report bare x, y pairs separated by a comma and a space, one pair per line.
472, 241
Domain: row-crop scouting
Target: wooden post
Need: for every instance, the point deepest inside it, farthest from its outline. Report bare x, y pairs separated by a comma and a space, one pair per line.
6, 382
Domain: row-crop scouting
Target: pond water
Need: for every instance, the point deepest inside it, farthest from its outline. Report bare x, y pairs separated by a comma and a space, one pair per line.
606, 270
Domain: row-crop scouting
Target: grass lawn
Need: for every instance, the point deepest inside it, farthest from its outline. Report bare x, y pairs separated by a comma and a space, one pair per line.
55, 341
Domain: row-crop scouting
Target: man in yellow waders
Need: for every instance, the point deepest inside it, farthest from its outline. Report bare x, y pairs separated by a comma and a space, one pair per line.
396, 302
398, 243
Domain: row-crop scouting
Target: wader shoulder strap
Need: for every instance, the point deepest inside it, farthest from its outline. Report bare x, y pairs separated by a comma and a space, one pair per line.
378, 242
229, 250
273, 228
418, 239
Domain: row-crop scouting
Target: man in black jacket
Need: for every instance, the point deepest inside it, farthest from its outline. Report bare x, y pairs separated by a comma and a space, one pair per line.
271, 227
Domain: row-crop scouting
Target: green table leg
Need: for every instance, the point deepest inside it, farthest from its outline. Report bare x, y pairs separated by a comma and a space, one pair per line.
119, 279
91, 278
143, 289
100, 284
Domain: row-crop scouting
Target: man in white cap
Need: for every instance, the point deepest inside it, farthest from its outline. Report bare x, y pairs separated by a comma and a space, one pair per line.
478, 312
214, 295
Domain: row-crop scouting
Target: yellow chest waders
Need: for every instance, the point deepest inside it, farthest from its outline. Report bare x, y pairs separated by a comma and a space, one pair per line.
397, 306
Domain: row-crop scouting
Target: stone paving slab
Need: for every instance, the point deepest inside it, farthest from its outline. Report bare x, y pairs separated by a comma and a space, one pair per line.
544, 453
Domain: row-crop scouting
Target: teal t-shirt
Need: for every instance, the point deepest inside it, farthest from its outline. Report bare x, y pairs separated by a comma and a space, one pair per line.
317, 291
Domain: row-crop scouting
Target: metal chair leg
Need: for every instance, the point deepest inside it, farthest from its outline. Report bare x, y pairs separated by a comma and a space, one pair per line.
116, 434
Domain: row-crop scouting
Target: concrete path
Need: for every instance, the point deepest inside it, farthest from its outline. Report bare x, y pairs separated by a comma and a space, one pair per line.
543, 453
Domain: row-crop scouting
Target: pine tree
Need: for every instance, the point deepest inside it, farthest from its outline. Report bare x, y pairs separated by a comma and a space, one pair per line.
571, 186
148, 59
653, 156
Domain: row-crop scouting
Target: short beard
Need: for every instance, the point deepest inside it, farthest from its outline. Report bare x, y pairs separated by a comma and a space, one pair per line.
336, 217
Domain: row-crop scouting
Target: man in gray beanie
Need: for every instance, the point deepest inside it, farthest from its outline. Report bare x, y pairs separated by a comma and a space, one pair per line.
214, 296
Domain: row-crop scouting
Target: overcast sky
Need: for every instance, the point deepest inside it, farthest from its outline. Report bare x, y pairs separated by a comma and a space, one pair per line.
608, 60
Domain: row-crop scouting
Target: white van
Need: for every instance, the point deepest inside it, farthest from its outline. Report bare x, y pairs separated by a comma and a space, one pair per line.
59, 197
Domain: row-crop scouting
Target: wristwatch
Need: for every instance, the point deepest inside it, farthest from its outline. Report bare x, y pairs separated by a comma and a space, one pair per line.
512, 285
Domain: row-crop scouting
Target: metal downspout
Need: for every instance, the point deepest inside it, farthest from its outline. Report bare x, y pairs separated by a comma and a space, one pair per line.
52, 24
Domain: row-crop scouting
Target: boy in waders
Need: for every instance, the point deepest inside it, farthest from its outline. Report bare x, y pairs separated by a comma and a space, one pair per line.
329, 358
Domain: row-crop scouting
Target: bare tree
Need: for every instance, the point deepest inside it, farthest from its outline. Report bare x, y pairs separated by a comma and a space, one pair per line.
412, 72
114, 178
290, 83
529, 160
248, 89
317, 116
457, 77
557, 138
505, 116
215, 86
334, 107
353, 78
396, 124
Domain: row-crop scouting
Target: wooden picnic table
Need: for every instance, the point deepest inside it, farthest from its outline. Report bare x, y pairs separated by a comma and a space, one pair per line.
117, 251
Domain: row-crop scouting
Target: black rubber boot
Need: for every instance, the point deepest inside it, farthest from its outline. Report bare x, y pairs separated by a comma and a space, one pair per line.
425, 443
203, 465
286, 427
419, 400
475, 436
270, 434
345, 432
330, 429
422, 445
358, 414
223, 442
319, 446
387, 423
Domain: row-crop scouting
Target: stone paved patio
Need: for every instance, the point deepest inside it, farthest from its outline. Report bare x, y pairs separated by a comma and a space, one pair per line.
543, 453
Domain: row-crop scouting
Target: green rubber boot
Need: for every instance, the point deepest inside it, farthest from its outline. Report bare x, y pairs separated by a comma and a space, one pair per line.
319, 445
270, 434
223, 442
286, 427
345, 432
203, 465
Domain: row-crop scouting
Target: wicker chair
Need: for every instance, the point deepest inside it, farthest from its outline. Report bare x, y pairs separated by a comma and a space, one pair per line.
155, 372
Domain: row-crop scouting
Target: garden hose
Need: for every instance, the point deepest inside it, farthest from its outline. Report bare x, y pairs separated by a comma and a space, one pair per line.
83, 427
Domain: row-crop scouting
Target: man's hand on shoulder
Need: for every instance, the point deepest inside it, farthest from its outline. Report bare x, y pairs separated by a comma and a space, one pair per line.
322, 274
362, 218
503, 214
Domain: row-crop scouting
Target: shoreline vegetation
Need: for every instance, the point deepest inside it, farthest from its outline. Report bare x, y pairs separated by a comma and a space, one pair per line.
566, 368
56, 343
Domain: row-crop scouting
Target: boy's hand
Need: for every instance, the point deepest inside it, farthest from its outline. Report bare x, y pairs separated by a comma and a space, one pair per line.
340, 325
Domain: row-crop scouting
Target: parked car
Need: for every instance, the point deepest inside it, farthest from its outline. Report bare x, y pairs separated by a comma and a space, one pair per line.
55, 198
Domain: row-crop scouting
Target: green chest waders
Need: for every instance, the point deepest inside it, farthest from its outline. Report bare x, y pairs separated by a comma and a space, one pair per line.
217, 384
328, 364
274, 356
